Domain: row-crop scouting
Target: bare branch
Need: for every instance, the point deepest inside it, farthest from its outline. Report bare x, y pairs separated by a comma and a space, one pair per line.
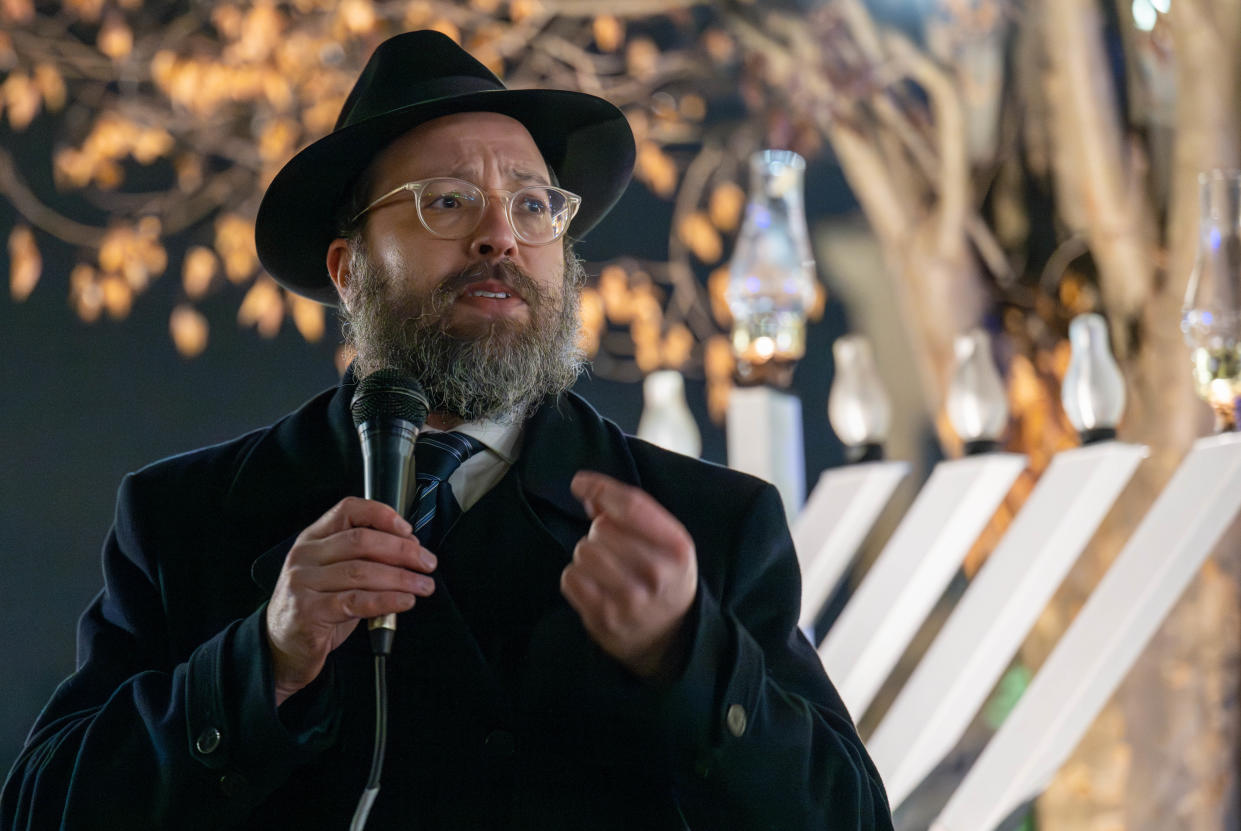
688, 300
1088, 128
39, 214
953, 173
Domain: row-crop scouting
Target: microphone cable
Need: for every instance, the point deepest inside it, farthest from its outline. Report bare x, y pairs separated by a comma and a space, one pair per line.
381, 644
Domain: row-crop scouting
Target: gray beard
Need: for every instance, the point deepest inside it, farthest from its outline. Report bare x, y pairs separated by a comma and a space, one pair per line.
501, 375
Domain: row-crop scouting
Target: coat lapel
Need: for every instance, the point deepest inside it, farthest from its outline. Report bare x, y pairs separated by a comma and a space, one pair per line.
292, 473
567, 435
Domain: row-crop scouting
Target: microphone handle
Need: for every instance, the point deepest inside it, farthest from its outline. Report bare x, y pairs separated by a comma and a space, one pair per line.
388, 472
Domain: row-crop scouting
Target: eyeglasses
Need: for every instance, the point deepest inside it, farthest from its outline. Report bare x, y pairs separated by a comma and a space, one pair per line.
454, 208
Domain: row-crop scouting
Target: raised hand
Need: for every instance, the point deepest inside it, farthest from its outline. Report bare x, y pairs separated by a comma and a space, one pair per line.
633, 577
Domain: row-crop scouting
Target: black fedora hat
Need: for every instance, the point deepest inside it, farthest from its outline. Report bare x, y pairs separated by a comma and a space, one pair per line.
410, 79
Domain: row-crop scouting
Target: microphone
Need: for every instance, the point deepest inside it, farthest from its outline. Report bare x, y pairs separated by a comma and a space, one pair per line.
389, 408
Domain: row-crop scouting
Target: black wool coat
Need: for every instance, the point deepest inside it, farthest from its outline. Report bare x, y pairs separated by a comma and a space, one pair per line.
504, 713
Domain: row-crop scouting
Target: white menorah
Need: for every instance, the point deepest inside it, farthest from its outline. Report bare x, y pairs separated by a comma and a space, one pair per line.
1001, 603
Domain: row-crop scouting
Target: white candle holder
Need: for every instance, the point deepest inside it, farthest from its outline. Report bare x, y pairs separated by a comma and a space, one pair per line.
998, 609
1105, 639
841, 510
912, 572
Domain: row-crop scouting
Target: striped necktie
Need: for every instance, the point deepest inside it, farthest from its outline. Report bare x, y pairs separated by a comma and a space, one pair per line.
436, 456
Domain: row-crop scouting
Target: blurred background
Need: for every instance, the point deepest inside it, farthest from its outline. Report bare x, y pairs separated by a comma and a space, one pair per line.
992, 164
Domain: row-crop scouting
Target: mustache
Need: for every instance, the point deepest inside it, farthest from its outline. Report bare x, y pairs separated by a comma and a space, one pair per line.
506, 272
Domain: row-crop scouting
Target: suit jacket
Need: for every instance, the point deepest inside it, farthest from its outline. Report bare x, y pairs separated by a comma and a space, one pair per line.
503, 713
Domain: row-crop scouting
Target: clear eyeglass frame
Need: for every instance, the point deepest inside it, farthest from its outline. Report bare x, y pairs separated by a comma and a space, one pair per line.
556, 227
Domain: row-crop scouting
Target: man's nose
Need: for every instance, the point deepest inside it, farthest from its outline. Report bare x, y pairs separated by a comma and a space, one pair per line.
494, 237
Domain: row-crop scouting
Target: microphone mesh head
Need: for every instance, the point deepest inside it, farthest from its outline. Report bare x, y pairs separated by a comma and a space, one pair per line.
391, 393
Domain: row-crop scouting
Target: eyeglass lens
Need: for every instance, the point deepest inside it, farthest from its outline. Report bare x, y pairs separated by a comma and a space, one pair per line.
452, 208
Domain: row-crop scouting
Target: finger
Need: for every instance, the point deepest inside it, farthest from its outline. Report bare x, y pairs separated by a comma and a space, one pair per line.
369, 544
616, 568
583, 594
355, 512
341, 607
363, 575
617, 560
632, 508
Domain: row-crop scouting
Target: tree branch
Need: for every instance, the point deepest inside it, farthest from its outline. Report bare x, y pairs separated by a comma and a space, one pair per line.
40, 215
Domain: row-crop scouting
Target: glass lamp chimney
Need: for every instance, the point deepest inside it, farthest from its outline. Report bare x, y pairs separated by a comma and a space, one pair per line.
1211, 317
1093, 392
857, 405
771, 276
977, 403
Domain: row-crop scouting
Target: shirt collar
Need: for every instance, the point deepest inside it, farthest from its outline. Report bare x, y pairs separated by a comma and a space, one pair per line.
502, 439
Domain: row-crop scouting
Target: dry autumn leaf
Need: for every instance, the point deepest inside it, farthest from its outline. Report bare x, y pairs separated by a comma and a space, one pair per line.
592, 316
614, 289
642, 58
418, 14
677, 346
51, 85
358, 16
656, 169
262, 307
718, 359
84, 293
717, 291
725, 206
277, 138
25, 263
307, 317
260, 33
519, 11
197, 271
234, 242
107, 174
719, 45
609, 32
17, 11
115, 39
151, 144
692, 107
118, 296
21, 99
189, 330
696, 231
189, 170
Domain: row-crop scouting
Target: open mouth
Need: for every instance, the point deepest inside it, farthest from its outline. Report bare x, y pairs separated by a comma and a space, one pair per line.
490, 290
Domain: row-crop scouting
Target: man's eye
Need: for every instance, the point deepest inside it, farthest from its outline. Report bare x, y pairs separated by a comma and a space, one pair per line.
448, 201
533, 204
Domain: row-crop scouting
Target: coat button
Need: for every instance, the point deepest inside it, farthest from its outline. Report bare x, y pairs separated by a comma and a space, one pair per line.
736, 720
208, 740
499, 744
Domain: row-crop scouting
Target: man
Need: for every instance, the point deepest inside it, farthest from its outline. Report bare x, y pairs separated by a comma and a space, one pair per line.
606, 638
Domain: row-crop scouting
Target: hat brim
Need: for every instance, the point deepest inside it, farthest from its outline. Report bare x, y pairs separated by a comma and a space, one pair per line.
586, 140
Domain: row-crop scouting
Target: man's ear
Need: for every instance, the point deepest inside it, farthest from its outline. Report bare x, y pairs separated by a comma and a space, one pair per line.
337, 268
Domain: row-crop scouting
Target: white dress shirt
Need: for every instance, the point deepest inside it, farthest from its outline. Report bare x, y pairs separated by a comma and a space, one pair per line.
479, 473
